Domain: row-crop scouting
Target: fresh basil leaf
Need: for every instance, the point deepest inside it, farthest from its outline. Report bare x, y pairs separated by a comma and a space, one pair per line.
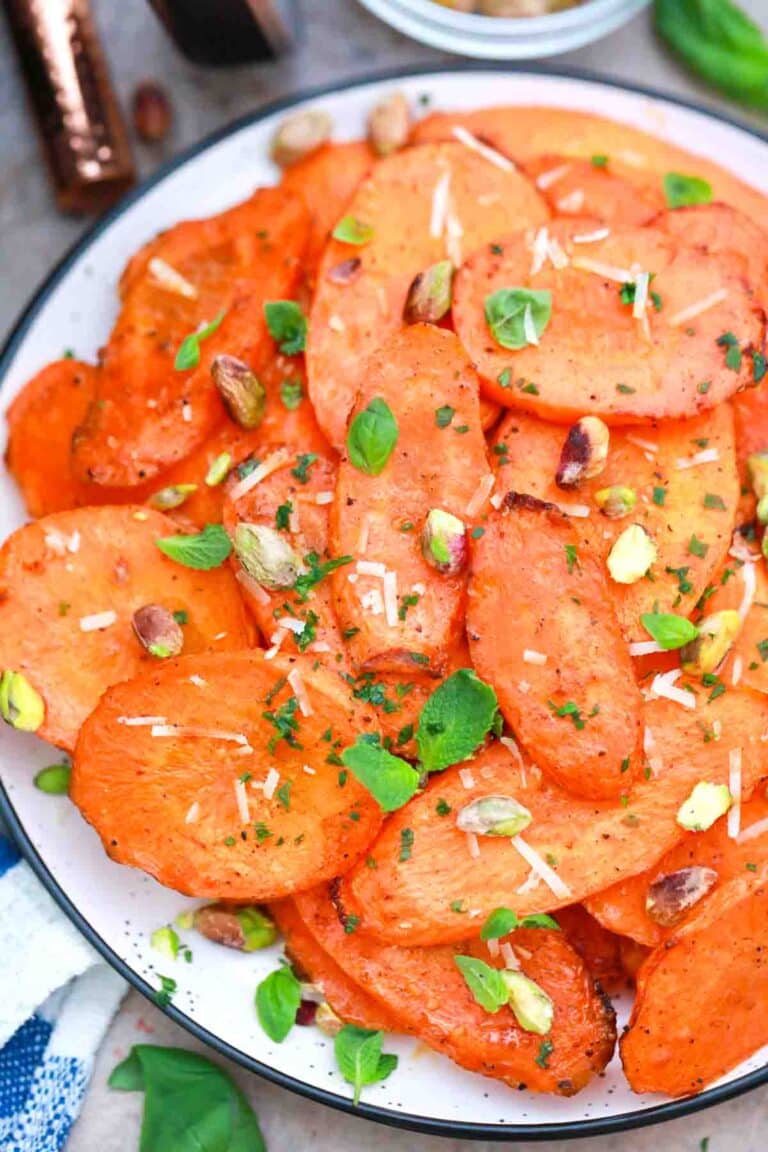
291, 394
719, 42
455, 720
287, 325
188, 355
499, 923
682, 191
350, 230
505, 312
390, 780
360, 1059
669, 631
203, 550
277, 1002
539, 920
485, 983
190, 1104
372, 437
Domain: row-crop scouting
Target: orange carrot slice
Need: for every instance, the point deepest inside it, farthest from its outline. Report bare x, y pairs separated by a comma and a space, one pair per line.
597, 187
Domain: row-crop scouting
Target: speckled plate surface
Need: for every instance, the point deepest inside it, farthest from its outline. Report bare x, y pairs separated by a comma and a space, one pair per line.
117, 908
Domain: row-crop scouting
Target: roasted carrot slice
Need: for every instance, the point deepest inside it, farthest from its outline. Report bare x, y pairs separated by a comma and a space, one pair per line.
147, 415
426, 992
624, 907
588, 845
213, 799
453, 200
598, 187
594, 355
683, 479
550, 644
408, 615
349, 1000
326, 181
41, 421
527, 132
599, 948
69, 586
722, 228
700, 1004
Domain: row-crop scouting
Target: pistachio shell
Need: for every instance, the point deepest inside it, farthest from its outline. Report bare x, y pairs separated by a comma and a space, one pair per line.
243, 394
430, 294
20, 705
157, 631
631, 556
266, 555
716, 637
327, 1021
300, 134
616, 502
584, 453
533, 1009
389, 124
493, 816
672, 894
444, 542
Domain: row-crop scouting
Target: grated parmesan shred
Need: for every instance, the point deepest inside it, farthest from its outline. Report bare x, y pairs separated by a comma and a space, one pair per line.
371, 568
750, 588
324, 498
531, 656
639, 442
473, 845
241, 798
192, 730
737, 670
481, 494
644, 647
493, 947
664, 686
440, 205
529, 328
591, 237
551, 176
490, 154
694, 310
580, 511
753, 831
276, 460
466, 777
365, 531
277, 643
509, 957
734, 787
390, 598
270, 783
168, 277
97, 621
599, 268
193, 813
252, 586
556, 885
300, 692
707, 456
573, 202
141, 721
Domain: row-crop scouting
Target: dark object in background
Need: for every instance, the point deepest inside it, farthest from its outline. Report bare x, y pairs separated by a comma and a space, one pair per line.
79, 122
222, 32
152, 112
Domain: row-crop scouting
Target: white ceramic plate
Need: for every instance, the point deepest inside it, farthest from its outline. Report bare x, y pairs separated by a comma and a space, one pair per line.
498, 38
116, 907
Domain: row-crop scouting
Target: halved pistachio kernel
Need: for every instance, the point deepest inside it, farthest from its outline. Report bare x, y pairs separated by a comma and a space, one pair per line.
171, 497
54, 780
346, 271
716, 637
444, 542
166, 941
327, 1021
757, 467
706, 804
616, 502
762, 509
532, 1007
158, 631
20, 705
300, 134
218, 470
430, 294
493, 816
584, 453
389, 124
673, 894
266, 555
632, 554
243, 393
245, 929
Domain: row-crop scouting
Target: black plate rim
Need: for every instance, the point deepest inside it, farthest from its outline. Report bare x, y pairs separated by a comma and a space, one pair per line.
568, 1130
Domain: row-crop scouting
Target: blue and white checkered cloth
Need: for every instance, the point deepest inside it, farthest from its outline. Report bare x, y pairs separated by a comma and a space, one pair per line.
56, 1001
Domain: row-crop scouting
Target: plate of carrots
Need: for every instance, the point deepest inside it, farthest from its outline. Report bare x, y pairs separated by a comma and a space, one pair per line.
384, 605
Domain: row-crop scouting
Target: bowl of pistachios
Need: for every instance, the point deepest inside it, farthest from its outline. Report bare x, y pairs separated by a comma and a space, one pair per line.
505, 29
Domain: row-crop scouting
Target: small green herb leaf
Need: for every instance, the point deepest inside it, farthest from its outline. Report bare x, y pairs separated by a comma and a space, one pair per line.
485, 983
372, 437
682, 191
444, 415
287, 325
203, 550
506, 311
188, 355
360, 1059
54, 781
353, 231
455, 720
277, 1002
390, 780
291, 394
669, 631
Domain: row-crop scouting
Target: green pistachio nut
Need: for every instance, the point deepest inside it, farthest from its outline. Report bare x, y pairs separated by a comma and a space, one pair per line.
706, 804
716, 637
533, 1009
20, 705
444, 542
266, 556
158, 631
631, 556
430, 294
218, 470
244, 929
762, 509
166, 942
171, 497
243, 393
54, 780
257, 928
616, 502
494, 816
757, 467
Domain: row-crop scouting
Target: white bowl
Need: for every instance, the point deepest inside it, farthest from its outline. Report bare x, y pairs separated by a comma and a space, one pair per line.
499, 38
